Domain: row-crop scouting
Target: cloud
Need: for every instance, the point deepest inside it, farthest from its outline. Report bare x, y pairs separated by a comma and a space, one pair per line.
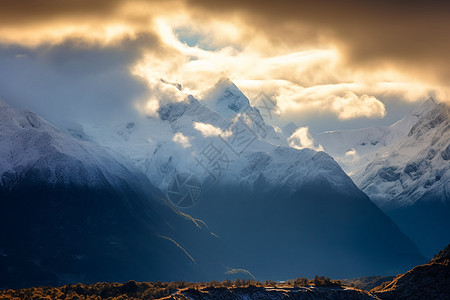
310, 57
351, 106
161, 93
103, 21
414, 35
409, 35
74, 79
208, 130
301, 139
298, 82
338, 99
181, 139
149, 107
351, 156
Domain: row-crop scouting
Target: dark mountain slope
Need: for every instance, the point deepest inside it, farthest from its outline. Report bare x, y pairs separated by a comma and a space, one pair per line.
72, 212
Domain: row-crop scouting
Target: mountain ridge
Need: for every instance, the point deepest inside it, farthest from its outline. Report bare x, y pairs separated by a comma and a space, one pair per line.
405, 170
263, 179
72, 212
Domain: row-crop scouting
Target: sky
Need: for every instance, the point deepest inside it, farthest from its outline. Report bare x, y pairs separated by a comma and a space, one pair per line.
324, 64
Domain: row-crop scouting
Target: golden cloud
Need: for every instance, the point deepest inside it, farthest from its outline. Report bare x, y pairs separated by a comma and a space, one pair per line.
308, 56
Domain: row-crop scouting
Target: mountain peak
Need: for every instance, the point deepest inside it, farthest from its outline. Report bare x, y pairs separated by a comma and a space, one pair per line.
3, 103
225, 83
289, 129
425, 107
225, 98
431, 99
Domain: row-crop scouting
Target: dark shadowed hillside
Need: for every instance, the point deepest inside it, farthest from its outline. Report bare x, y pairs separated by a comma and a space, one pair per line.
429, 281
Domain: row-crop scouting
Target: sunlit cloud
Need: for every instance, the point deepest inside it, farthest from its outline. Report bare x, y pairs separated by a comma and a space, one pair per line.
208, 130
351, 106
301, 81
181, 139
306, 62
301, 139
351, 156
162, 93
149, 107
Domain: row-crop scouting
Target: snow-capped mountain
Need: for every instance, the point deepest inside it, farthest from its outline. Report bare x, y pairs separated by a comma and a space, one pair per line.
355, 149
405, 169
226, 99
255, 186
70, 211
30, 143
246, 146
416, 163
156, 144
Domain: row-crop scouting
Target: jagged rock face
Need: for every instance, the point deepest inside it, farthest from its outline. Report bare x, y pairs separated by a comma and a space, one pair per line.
405, 170
397, 165
414, 166
369, 143
411, 182
225, 98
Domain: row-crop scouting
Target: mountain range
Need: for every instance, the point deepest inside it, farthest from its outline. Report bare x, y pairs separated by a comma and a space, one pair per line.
268, 201
108, 203
404, 169
71, 212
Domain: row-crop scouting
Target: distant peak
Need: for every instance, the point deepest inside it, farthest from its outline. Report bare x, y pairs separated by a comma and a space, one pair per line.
224, 81
224, 84
431, 100
425, 107
225, 98
291, 124
290, 128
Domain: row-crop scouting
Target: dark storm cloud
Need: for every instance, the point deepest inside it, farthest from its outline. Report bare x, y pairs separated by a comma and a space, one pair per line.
369, 31
20, 12
413, 34
75, 79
